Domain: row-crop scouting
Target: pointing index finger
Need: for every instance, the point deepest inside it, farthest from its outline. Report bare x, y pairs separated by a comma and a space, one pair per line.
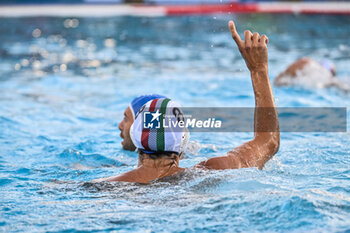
234, 33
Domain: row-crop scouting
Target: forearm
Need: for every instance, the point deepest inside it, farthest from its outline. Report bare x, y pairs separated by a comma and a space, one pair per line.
262, 88
266, 139
257, 152
266, 125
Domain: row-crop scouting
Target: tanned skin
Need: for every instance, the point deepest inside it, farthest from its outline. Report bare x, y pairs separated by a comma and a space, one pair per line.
124, 127
254, 153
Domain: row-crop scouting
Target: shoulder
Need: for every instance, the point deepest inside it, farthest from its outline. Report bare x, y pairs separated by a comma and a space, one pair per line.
136, 175
220, 163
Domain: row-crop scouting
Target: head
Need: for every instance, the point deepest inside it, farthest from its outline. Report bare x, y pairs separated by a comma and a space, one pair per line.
328, 65
156, 140
129, 117
124, 127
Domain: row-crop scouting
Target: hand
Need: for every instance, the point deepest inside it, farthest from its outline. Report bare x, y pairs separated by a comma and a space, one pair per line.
253, 49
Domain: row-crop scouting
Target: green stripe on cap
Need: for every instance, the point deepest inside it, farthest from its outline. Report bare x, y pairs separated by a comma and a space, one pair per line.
160, 132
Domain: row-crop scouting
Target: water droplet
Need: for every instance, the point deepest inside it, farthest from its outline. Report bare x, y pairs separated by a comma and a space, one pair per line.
75, 23
24, 62
63, 67
63, 42
71, 23
66, 23
39, 73
55, 68
68, 57
36, 65
44, 53
36, 33
81, 43
91, 64
17, 66
109, 42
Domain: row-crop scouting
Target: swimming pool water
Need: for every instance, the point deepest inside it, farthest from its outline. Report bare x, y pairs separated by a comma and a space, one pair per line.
65, 83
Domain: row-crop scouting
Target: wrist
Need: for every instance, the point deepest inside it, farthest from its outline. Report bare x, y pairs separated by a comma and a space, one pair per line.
259, 75
259, 69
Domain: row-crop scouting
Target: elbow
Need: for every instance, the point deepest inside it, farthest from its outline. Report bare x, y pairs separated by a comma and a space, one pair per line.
276, 138
273, 143
216, 163
270, 142
269, 146
270, 139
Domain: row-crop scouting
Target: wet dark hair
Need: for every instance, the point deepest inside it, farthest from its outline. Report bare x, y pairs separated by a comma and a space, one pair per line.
157, 155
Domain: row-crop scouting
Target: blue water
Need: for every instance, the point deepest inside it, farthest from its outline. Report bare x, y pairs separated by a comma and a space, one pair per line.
64, 84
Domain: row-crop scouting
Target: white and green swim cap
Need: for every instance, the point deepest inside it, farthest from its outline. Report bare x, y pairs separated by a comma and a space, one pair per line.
159, 127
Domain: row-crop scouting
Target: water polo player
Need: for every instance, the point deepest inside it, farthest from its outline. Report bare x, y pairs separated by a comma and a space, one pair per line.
310, 73
160, 148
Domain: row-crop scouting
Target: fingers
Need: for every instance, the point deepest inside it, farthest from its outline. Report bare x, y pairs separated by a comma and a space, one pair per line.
255, 39
234, 34
264, 40
248, 39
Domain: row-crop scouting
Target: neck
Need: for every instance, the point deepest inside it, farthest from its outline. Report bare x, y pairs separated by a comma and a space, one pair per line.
160, 167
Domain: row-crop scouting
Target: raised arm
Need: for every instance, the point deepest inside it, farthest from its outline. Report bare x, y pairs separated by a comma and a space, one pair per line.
265, 144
